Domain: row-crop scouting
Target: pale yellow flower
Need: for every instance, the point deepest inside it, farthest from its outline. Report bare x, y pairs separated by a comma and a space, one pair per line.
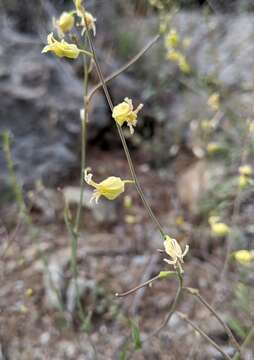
87, 18
174, 55
244, 257
184, 65
244, 181
251, 127
65, 23
29, 292
219, 229
173, 249
213, 148
62, 48
214, 101
177, 57
110, 188
172, 39
245, 170
125, 112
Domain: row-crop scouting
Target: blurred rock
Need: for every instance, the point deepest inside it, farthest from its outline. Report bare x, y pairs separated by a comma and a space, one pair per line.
41, 110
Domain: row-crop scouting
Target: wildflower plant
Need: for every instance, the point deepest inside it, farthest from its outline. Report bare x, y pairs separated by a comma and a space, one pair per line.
80, 19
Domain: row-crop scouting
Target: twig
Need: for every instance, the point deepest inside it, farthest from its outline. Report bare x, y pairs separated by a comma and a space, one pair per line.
124, 67
202, 333
196, 294
131, 291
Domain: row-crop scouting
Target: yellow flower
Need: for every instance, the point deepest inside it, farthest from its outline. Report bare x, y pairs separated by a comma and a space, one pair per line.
213, 148
219, 229
111, 187
179, 58
206, 125
174, 55
244, 181
172, 39
174, 250
62, 48
245, 170
251, 127
29, 292
244, 257
184, 66
214, 101
124, 112
87, 18
64, 23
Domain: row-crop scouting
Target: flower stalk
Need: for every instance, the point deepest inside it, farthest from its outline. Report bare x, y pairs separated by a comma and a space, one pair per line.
126, 150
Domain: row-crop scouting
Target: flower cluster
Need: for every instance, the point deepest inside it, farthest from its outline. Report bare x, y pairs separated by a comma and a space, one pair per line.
218, 228
64, 24
214, 101
245, 176
173, 45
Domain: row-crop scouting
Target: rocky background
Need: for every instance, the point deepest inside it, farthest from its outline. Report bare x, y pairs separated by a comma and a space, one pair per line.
40, 102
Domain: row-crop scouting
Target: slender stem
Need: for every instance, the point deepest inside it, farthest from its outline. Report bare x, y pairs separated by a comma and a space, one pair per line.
83, 156
124, 67
197, 295
126, 150
246, 342
148, 282
84, 122
202, 333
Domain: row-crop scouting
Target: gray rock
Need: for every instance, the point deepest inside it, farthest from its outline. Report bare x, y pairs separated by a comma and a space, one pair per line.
40, 106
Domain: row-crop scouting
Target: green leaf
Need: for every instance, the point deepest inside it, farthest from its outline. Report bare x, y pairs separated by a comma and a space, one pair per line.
237, 328
166, 274
135, 335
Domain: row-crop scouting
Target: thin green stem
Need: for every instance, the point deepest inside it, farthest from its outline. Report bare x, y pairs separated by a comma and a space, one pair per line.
19, 197
84, 122
124, 67
126, 150
131, 291
203, 334
197, 295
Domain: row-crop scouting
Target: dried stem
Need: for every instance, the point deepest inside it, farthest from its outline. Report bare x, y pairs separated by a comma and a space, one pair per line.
202, 333
124, 67
131, 291
126, 150
196, 294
